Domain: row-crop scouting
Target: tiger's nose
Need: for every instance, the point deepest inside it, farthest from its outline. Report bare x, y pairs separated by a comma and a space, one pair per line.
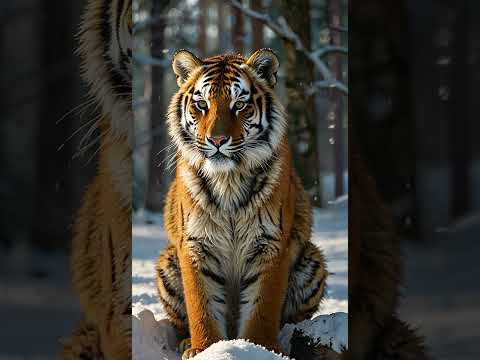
218, 140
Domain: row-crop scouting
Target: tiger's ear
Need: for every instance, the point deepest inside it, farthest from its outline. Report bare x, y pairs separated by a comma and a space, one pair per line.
265, 63
184, 62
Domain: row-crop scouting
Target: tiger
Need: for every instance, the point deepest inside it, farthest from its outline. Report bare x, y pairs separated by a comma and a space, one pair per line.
375, 274
101, 245
239, 261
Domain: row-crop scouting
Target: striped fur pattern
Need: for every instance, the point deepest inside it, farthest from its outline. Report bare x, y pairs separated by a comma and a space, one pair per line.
240, 261
101, 248
101, 261
106, 49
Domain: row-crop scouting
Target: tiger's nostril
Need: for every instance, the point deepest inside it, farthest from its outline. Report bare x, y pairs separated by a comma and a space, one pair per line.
218, 140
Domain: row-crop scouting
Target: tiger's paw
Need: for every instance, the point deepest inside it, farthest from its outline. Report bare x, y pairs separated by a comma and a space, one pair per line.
184, 345
190, 353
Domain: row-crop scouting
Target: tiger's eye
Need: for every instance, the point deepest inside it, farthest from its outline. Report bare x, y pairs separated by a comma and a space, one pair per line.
239, 104
202, 104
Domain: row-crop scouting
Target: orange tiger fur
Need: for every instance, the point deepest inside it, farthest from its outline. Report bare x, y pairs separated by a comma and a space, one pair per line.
101, 255
101, 247
239, 261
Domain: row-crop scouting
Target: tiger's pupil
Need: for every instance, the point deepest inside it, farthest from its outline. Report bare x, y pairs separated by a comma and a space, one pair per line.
202, 104
239, 104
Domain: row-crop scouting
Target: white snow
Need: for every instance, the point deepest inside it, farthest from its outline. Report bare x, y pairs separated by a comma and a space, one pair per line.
237, 350
331, 330
37, 302
154, 337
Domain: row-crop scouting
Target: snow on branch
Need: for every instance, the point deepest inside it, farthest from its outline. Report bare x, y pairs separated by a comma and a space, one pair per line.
284, 31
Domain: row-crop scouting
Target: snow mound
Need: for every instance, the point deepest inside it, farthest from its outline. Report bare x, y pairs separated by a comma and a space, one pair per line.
330, 330
157, 340
152, 339
237, 350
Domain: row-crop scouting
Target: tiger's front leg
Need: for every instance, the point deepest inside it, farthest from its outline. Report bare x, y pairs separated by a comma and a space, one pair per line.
204, 330
263, 324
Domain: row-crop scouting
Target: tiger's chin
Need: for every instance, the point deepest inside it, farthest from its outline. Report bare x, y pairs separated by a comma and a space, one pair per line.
218, 165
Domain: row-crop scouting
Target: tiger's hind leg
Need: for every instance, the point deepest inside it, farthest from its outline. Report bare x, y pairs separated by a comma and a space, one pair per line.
170, 289
84, 343
306, 284
400, 342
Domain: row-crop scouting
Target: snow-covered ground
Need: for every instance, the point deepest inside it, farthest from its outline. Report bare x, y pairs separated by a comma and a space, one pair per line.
154, 338
38, 306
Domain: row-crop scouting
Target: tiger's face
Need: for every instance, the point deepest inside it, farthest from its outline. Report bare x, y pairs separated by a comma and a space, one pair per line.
225, 115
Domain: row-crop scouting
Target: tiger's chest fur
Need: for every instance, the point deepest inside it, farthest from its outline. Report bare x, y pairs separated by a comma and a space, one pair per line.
232, 230
228, 247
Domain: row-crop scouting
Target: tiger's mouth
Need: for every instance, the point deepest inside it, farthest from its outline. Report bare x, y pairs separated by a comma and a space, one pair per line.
218, 156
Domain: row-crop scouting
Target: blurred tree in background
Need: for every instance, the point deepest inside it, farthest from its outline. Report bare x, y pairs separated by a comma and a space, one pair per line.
41, 180
310, 39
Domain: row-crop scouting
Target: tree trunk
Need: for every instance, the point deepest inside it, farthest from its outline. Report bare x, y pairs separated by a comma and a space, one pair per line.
238, 32
337, 99
158, 177
222, 36
257, 26
57, 181
300, 108
202, 29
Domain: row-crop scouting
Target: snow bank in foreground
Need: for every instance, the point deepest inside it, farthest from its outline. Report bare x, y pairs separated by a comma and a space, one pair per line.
237, 350
157, 340
152, 339
330, 330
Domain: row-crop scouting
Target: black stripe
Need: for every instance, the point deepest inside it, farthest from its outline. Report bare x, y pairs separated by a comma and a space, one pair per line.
246, 282
269, 237
111, 258
166, 284
208, 253
260, 218
181, 215
313, 267
259, 250
205, 188
218, 300
314, 291
298, 264
268, 213
217, 278
121, 88
118, 20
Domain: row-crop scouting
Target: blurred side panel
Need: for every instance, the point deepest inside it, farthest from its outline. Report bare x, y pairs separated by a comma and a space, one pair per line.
41, 180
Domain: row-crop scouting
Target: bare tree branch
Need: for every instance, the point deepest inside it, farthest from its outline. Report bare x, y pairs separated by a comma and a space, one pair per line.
326, 84
283, 30
338, 28
328, 49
